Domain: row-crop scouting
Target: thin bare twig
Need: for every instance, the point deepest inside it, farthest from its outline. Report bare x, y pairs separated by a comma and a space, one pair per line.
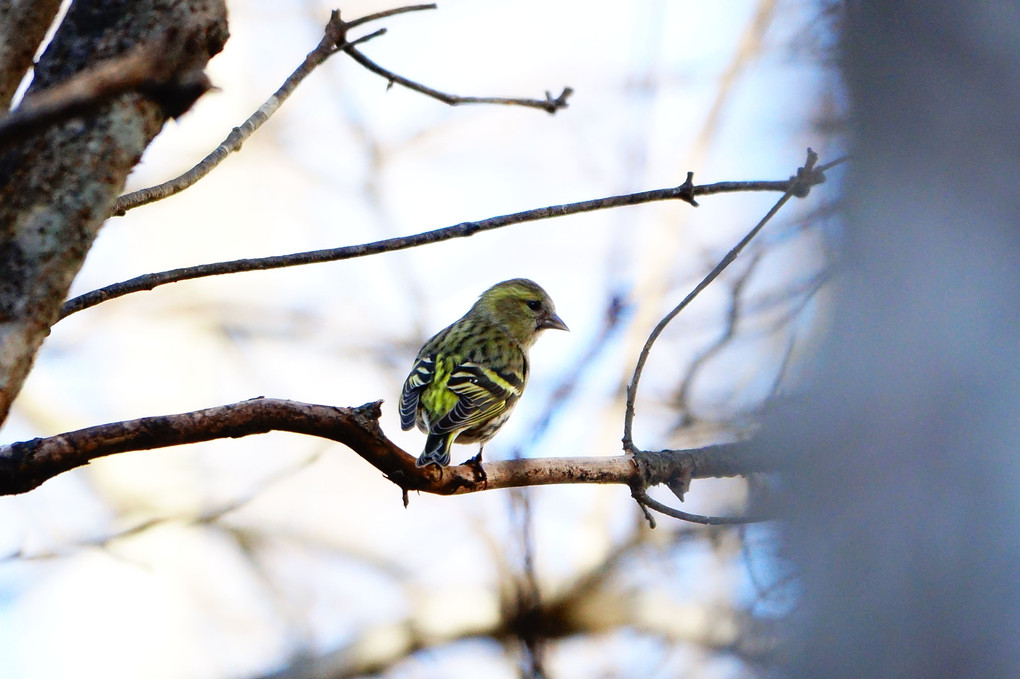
550, 104
385, 14
334, 37
334, 40
644, 501
685, 192
799, 186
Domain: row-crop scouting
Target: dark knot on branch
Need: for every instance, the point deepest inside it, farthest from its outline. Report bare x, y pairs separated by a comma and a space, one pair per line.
806, 177
670, 467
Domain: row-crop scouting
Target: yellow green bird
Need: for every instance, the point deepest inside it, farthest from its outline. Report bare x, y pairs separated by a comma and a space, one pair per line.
468, 377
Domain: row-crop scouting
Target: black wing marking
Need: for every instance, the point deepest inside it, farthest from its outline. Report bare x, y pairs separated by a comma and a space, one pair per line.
414, 385
483, 393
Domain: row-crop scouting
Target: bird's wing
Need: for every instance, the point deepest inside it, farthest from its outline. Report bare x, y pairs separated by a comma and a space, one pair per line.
420, 377
482, 394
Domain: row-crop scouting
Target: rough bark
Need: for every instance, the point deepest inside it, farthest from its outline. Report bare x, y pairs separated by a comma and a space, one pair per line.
57, 187
27, 464
23, 25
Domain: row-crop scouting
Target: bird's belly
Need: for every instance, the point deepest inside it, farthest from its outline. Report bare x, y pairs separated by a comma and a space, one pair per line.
484, 432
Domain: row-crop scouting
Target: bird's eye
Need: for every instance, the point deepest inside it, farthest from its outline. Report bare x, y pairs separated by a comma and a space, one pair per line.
534, 304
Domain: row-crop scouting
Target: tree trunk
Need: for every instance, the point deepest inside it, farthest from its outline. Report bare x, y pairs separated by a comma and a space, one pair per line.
904, 497
57, 186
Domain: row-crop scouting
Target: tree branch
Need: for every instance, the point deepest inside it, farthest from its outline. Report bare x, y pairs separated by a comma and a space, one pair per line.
27, 464
593, 605
799, 186
685, 192
23, 26
334, 40
644, 501
550, 104
57, 186
153, 68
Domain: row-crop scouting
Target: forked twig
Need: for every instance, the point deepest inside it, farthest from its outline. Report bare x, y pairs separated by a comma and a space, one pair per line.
334, 40
799, 186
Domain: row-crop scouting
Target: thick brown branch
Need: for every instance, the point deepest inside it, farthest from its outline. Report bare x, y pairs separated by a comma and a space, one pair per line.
25, 465
685, 192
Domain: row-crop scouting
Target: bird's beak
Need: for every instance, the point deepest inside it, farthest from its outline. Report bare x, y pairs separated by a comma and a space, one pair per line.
553, 322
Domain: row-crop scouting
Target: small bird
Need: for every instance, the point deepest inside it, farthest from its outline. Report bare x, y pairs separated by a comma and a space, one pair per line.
468, 377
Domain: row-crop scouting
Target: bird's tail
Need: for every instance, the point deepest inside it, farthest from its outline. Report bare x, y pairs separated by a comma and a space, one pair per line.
437, 450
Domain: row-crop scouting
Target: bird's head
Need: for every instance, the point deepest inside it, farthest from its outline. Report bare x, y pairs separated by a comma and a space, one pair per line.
522, 307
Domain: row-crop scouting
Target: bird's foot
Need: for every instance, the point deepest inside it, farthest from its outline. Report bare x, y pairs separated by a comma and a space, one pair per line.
476, 466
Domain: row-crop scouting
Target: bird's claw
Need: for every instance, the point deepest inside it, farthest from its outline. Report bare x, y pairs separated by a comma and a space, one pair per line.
476, 466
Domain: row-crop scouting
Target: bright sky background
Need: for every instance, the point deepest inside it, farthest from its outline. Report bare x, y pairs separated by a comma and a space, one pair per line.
328, 550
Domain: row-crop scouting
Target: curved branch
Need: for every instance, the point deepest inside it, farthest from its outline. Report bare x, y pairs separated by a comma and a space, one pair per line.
685, 192
27, 464
644, 501
799, 186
